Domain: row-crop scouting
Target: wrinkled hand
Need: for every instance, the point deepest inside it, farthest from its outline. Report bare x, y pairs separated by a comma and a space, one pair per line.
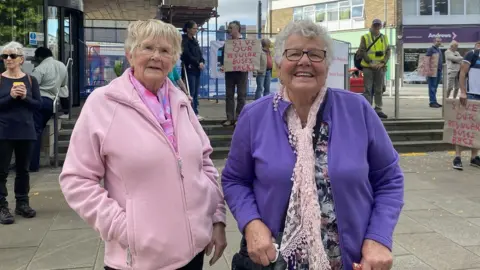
463, 98
202, 66
259, 243
375, 256
219, 241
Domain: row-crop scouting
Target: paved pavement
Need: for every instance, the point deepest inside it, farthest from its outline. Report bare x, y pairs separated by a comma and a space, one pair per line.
438, 229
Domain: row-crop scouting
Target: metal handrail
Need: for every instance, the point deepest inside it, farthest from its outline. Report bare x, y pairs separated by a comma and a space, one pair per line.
56, 101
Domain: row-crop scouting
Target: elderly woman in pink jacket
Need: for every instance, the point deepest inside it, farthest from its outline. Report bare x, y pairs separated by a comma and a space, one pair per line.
160, 206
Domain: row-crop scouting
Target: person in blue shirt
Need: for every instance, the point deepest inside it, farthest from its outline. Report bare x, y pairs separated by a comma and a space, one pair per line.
434, 81
177, 81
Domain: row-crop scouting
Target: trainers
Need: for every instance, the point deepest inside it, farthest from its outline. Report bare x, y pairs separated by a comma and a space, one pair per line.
5, 216
475, 162
200, 118
228, 123
457, 164
24, 210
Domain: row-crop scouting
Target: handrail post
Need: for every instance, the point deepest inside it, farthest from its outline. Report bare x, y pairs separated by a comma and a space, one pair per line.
397, 90
346, 78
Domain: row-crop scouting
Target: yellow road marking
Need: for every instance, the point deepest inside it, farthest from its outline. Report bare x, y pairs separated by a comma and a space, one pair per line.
413, 154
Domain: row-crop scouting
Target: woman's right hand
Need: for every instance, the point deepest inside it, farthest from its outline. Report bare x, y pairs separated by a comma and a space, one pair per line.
259, 243
14, 92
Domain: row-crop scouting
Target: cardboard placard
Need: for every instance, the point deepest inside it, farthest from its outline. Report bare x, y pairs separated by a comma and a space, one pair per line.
462, 123
242, 55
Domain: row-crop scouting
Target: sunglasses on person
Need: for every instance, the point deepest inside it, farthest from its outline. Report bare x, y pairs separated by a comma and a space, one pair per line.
12, 56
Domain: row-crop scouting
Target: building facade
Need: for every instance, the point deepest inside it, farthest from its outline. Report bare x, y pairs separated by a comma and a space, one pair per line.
424, 20
346, 20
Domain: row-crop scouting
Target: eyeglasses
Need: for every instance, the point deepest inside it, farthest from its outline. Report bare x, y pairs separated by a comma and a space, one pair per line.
150, 50
314, 55
12, 56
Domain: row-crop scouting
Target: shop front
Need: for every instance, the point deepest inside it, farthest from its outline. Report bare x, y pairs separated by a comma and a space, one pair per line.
417, 40
56, 24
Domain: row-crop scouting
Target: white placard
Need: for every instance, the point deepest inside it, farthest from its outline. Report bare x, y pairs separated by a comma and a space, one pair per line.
336, 74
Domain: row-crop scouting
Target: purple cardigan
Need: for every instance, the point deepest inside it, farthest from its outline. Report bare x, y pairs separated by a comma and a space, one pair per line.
366, 178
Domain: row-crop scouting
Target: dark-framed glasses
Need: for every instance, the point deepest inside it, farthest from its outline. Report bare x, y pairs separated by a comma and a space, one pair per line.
314, 55
12, 56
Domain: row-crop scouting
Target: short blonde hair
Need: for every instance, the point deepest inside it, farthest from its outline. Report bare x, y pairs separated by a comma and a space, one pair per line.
14, 46
453, 43
140, 31
305, 28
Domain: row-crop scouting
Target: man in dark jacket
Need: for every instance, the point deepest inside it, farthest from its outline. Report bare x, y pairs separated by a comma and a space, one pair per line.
192, 62
238, 79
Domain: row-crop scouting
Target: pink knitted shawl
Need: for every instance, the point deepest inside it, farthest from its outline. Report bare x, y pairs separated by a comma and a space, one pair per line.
302, 240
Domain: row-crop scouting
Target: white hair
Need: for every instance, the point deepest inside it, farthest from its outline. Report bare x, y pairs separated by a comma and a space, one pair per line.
453, 43
307, 29
139, 31
14, 46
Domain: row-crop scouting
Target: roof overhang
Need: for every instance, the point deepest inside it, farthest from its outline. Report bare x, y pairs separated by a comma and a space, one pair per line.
178, 12
123, 10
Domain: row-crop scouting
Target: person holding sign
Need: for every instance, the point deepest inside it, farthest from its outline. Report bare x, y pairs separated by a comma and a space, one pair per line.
311, 166
469, 90
233, 79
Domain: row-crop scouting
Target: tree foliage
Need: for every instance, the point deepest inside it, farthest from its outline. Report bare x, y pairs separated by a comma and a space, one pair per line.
18, 18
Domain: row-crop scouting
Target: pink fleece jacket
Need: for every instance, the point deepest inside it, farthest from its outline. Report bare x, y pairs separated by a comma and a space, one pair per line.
156, 209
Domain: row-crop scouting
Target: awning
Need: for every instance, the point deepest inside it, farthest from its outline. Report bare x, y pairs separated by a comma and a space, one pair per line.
178, 12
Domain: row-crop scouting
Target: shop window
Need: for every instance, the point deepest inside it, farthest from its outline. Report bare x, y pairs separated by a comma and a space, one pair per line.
309, 13
473, 6
18, 19
457, 7
344, 10
410, 7
426, 7
332, 11
441, 7
297, 14
320, 13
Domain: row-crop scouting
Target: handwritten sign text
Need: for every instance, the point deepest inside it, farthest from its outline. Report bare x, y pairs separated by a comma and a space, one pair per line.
242, 55
462, 123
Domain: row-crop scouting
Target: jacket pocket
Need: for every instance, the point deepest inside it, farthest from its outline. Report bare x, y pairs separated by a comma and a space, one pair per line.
131, 250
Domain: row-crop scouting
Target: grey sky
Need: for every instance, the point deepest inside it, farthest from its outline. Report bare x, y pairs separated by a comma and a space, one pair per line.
243, 10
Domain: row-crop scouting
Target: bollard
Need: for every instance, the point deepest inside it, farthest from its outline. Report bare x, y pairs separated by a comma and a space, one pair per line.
346, 76
397, 90
444, 87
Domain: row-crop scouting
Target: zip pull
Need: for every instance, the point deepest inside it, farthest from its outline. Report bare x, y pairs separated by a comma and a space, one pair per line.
180, 166
129, 257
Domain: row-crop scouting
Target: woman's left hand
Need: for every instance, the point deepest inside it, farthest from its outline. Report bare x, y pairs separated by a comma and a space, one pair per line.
376, 256
219, 241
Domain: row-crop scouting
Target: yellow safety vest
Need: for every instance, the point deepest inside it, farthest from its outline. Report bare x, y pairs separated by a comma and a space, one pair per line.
380, 46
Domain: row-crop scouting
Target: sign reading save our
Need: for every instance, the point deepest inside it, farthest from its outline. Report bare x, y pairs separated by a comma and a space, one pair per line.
242, 55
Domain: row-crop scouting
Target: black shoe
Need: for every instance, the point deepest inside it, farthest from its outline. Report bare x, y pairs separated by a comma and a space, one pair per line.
457, 164
5, 216
24, 210
439, 105
434, 105
475, 162
382, 115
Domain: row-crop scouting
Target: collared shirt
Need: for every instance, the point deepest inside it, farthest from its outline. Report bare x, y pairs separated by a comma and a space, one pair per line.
51, 75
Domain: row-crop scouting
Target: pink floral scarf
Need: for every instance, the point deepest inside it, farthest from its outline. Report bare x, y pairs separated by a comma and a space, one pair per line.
159, 105
302, 239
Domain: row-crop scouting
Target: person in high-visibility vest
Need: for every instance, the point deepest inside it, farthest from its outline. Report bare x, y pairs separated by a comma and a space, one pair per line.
375, 52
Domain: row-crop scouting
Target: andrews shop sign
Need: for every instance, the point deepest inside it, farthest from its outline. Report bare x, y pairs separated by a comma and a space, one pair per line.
427, 34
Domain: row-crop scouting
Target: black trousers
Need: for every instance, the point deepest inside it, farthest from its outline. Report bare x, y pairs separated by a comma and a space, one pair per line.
23, 152
195, 264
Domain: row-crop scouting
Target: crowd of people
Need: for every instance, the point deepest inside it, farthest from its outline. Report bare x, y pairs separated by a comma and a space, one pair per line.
308, 167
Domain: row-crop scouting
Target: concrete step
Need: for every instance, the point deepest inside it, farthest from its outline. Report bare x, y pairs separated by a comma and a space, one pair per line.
420, 124
64, 134
416, 135
68, 124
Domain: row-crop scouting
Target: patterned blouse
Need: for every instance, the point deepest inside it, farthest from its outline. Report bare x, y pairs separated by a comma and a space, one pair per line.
325, 198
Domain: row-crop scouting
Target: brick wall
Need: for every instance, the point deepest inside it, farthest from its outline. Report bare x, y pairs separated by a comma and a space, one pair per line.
280, 18
374, 9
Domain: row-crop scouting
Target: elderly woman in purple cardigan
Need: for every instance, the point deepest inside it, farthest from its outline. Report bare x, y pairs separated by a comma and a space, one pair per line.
312, 177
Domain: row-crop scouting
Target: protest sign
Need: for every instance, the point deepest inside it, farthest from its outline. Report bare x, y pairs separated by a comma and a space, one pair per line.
462, 123
242, 55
